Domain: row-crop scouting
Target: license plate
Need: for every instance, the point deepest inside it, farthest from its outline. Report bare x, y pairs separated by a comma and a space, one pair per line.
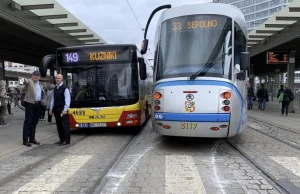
188, 126
98, 125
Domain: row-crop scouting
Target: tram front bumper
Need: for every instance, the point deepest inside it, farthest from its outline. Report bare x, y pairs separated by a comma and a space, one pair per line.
192, 125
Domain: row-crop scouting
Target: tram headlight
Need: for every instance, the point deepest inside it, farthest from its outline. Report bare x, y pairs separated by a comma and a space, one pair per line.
157, 95
226, 95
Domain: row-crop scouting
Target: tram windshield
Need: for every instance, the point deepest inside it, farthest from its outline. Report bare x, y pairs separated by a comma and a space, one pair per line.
191, 43
102, 84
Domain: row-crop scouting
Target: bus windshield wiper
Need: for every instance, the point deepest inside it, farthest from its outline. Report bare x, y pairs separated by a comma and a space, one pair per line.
207, 65
111, 97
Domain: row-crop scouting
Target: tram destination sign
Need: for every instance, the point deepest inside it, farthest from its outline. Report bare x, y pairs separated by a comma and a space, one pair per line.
83, 55
277, 57
197, 22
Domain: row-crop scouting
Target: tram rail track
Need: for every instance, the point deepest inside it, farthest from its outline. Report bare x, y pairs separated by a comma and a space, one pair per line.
101, 182
274, 136
270, 124
282, 185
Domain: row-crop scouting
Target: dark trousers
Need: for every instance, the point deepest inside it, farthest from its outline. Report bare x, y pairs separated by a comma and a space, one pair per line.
49, 117
43, 112
32, 115
62, 124
285, 106
9, 108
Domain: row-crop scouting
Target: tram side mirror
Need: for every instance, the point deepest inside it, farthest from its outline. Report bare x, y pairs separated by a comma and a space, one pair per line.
142, 67
144, 47
245, 61
241, 75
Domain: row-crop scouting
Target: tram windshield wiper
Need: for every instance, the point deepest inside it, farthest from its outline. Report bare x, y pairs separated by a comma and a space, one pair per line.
208, 66
111, 97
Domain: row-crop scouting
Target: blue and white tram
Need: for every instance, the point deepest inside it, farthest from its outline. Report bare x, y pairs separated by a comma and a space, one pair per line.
200, 71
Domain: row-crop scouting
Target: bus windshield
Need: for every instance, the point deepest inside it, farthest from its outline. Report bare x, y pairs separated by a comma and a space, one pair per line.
102, 85
192, 43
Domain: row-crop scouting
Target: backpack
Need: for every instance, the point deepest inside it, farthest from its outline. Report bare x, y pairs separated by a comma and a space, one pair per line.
281, 96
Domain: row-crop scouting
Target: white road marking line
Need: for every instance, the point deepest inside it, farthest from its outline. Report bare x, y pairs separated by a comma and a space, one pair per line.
291, 163
182, 175
213, 161
119, 177
50, 180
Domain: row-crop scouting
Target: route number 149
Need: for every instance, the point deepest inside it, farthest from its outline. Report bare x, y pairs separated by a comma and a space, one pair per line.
72, 57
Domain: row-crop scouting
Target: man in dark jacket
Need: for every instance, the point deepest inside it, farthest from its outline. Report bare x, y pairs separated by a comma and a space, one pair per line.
60, 104
263, 96
251, 96
287, 98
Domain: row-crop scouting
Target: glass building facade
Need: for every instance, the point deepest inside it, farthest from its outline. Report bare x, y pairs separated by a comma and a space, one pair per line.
257, 11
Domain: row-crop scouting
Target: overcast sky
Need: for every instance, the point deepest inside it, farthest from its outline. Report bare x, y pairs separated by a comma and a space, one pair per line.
113, 20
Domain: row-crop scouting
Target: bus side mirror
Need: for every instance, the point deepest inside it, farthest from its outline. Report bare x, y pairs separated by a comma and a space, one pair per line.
142, 67
245, 61
144, 46
47, 62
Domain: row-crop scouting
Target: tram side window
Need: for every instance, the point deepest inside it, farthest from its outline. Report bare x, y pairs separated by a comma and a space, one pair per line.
239, 43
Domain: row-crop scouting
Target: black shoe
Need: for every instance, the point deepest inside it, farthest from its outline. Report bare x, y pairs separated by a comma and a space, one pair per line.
3, 124
59, 142
63, 143
26, 143
34, 142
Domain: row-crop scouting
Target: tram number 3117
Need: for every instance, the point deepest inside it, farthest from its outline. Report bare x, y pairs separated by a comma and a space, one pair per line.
189, 126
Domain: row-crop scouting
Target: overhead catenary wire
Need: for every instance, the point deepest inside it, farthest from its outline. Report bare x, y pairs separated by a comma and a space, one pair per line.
134, 15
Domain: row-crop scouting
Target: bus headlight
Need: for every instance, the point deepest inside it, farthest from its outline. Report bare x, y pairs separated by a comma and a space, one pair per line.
131, 116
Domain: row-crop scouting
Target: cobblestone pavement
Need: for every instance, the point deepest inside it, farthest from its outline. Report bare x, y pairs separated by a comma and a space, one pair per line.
280, 160
288, 135
149, 163
156, 164
72, 169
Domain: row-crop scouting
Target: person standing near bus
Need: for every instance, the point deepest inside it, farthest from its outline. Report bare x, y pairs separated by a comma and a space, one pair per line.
3, 99
60, 104
33, 100
49, 100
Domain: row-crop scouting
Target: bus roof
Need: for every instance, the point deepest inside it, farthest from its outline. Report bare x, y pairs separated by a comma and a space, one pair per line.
97, 46
205, 8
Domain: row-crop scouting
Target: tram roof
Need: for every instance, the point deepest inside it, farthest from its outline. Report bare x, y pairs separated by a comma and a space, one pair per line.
206, 8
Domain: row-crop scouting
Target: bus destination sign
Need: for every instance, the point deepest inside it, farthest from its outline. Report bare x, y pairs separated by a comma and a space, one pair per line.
277, 57
90, 55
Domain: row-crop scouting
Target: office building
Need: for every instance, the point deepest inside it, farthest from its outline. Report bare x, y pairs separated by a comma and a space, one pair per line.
257, 11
